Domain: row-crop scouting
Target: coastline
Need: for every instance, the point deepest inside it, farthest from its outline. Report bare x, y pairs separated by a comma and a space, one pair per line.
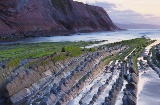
48, 33
149, 94
148, 85
93, 58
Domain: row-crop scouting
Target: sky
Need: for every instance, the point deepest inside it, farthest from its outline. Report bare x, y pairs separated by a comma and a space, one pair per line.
130, 11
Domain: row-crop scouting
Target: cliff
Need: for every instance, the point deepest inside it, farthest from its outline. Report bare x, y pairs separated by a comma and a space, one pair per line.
25, 18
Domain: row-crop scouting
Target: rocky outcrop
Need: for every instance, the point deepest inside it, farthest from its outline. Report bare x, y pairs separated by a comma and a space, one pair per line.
116, 88
47, 82
25, 18
130, 93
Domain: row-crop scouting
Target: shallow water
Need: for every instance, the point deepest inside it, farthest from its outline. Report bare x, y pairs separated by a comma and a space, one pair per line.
96, 36
150, 92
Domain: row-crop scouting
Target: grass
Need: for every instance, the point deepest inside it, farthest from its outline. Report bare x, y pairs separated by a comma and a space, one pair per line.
37, 50
72, 51
138, 43
108, 61
107, 57
36, 53
13, 63
12, 54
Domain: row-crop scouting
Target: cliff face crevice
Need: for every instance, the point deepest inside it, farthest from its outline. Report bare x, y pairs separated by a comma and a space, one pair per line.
21, 18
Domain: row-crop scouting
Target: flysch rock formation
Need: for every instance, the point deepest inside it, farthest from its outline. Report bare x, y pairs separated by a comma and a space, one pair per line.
30, 18
56, 83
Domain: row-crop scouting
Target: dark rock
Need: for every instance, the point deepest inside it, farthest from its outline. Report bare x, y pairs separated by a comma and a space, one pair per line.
125, 76
133, 70
106, 99
58, 103
95, 97
80, 102
134, 93
134, 78
91, 103
131, 86
125, 101
25, 18
2, 101
101, 89
131, 100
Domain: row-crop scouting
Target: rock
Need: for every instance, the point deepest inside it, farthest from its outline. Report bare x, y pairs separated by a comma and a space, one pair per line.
95, 97
106, 99
101, 89
125, 76
47, 73
133, 93
130, 97
24, 18
2, 101
125, 91
131, 100
134, 78
91, 102
125, 100
80, 102
20, 95
22, 81
51, 99
59, 103
133, 70
131, 86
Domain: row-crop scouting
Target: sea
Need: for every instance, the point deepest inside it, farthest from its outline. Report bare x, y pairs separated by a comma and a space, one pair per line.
95, 36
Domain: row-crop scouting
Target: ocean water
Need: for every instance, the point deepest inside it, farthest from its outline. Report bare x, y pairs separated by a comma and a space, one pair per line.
97, 36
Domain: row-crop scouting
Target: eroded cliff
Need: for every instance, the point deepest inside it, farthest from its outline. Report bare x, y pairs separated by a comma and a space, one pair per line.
25, 18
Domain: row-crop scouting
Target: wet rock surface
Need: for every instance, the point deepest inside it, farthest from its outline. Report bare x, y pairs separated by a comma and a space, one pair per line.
61, 82
130, 92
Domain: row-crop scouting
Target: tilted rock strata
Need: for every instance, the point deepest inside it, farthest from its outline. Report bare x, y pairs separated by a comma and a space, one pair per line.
130, 93
57, 82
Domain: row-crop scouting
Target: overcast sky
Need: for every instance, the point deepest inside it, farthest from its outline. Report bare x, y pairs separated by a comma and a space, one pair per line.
130, 11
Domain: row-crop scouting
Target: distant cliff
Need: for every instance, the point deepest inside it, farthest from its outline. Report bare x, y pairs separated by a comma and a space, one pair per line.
137, 26
29, 18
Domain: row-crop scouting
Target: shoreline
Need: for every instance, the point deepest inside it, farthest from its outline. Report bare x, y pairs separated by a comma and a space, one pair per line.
148, 79
83, 67
50, 34
150, 89
111, 36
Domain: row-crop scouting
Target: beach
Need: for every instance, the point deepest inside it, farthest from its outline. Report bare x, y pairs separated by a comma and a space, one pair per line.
149, 82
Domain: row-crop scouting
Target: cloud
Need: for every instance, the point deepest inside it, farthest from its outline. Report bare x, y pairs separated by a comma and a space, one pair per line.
126, 16
107, 6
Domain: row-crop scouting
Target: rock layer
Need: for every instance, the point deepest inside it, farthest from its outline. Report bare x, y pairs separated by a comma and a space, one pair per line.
25, 18
48, 82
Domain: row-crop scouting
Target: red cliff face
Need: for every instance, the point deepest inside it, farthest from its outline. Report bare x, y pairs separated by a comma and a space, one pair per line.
23, 18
